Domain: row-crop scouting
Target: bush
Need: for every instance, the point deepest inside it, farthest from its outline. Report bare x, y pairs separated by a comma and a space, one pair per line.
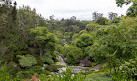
53, 68
15, 58
28, 73
47, 58
37, 69
54, 56
5, 76
59, 48
39, 62
21, 53
72, 54
26, 60
127, 71
93, 64
12, 69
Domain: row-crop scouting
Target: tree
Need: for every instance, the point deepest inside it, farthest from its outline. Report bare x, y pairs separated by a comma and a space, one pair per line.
14, 12
116, 20
73, 18
62, 19
96, 15
8, 28
102, 21
112, 15
72, 54
43, 38
121, 2
84, 41
117, 44
132, 10
51, 17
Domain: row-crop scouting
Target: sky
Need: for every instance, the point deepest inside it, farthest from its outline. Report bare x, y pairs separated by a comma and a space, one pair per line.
82, 9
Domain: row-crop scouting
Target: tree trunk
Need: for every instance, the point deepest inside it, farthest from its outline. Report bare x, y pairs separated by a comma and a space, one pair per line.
41, 52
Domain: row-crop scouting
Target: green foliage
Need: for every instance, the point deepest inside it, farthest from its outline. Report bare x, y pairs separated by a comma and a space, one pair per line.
115, 44
47, 58
102, 21
93, 64
43, 39
127, 71
132, 10
90, 27
40, 34
84, 40
64, 76
83, 31
37, 69
12, 69
26, 60
98, 77
121, 2
59, 48
39, 62
21, 53
71, 59
116, 20
29, 72
23, 29
72, 54
69, 77
5, 76
53, 68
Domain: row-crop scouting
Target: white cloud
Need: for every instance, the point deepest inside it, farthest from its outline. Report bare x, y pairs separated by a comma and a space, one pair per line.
82, 9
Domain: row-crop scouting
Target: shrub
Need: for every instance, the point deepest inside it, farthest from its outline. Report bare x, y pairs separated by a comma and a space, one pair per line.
4, 76
37, 69
26, 60
47, 58
39, 62
93, 64
29, 72
15, 58
12, 69
51, 68
127, 71
54, 56
21, 53
64, 76
59, 48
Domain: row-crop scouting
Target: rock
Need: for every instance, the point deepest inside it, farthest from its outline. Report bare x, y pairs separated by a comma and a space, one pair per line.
86, 63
